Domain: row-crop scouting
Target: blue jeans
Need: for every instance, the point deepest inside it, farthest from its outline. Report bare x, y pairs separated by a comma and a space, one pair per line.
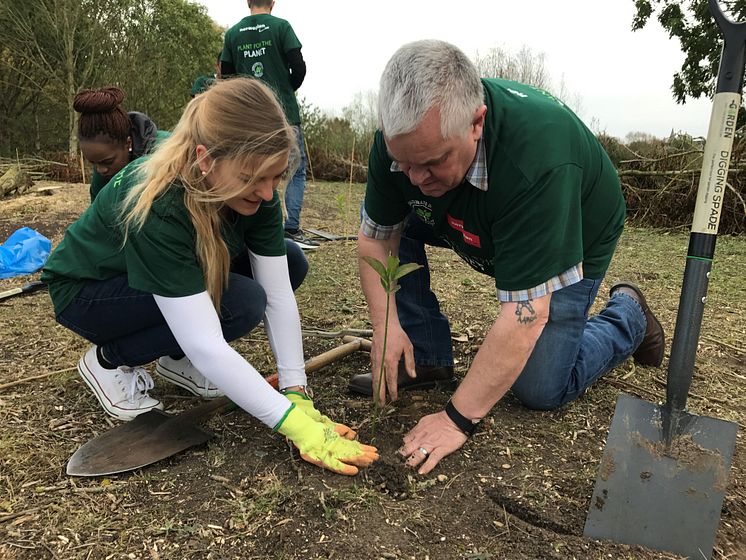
296, 187
297, 264
571, 353
131, 330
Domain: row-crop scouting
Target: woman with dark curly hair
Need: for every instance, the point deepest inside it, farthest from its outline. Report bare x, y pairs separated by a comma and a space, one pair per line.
109, 137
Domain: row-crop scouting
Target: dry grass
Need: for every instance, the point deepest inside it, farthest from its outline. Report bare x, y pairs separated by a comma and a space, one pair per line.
520, 488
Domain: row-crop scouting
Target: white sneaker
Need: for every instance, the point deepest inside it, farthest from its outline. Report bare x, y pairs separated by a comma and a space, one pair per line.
185, 375
123, 392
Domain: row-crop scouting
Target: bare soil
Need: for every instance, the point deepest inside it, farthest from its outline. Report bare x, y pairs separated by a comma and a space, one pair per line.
519, 489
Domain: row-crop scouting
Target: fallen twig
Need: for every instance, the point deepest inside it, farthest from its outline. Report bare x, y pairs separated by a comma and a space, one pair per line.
621, 384
337, 334
721, 343
10, 516
34, 377
695, 395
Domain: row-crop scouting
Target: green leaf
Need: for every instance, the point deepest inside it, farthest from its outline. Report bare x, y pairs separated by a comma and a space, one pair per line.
391, 265
405, 269
376, 265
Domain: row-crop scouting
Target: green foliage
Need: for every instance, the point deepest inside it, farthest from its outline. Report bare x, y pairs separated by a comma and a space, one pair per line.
160, 50
341, 201
152, 49
617, 151
690, 22
390, 272
338, 146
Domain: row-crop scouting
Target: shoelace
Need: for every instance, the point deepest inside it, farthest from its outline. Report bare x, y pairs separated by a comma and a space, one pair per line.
140, 383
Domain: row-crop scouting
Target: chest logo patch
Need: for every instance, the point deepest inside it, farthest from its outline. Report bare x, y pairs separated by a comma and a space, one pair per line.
469, 238
423, 210
257, 69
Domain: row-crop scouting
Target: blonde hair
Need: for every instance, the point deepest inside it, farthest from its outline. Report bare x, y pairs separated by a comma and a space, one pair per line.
237, 119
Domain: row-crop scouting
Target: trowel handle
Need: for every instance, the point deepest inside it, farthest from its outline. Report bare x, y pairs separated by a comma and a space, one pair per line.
25, 289
710, 195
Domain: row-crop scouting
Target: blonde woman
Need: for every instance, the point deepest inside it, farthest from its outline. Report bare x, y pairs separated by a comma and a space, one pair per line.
144, 273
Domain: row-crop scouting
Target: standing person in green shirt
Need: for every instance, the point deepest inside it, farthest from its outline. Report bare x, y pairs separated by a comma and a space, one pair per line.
109, 137
144, 273
265, 47
511, 180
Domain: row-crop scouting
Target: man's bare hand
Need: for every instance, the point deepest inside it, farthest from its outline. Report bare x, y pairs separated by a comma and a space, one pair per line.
433, 438
398, 345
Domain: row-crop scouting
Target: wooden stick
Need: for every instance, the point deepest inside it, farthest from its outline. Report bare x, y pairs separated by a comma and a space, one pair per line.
82, 167
721, 343
8, 516
308, 163
33, 378
335, 334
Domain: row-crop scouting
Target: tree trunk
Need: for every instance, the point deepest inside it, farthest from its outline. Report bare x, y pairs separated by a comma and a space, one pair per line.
14, 180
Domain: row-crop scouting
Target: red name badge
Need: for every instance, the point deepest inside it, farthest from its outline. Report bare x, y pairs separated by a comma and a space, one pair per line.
469, 238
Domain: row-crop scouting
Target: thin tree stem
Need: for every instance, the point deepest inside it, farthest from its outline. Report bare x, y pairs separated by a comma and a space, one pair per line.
377, 396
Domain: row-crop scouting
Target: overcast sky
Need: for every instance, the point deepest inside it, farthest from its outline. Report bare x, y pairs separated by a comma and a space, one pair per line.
623, 78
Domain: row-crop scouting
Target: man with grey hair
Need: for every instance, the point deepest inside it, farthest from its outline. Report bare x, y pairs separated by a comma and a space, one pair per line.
512, 181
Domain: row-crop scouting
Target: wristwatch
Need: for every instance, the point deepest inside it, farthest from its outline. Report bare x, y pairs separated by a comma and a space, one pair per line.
304, 389
466, 425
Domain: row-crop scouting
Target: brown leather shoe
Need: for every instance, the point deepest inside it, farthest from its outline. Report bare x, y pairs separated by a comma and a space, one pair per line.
650, 351
428, 377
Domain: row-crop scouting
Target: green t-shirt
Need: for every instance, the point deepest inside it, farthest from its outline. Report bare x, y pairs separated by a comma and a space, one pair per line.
257, 47
160, 258
553, 198
98, 181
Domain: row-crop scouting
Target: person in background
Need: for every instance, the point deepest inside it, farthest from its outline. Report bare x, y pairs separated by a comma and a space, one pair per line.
144, 275
109, 137
506, 176
265, 47
203, 82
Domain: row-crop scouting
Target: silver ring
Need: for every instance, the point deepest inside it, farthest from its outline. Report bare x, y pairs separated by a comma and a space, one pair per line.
424, 451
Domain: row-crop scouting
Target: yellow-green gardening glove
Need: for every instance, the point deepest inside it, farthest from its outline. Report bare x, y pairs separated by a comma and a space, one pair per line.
322, 446
305, 403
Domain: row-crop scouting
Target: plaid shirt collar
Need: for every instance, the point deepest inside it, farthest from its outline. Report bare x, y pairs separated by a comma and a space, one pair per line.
477, 173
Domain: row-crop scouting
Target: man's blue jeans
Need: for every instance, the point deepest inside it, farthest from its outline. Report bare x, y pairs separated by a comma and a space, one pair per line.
571, 353
296, 187
131, 330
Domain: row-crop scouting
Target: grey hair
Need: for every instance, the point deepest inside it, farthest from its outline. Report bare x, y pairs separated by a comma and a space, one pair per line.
421, 75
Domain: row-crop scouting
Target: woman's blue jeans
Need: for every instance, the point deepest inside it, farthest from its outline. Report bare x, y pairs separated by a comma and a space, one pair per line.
296, 186
571, 353
131, 330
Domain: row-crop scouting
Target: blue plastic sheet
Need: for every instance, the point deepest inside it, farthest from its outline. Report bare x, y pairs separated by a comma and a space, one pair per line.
25, 251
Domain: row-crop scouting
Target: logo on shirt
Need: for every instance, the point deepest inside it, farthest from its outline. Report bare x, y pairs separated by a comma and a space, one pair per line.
255, 53
518, 93
469, 238
260, 28
423, 210
257, 69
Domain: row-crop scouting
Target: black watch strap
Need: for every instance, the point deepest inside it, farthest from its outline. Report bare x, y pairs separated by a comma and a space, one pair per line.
463, 423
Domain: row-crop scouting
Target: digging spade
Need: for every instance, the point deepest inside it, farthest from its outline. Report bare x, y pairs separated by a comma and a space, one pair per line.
156, 435
664, 470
